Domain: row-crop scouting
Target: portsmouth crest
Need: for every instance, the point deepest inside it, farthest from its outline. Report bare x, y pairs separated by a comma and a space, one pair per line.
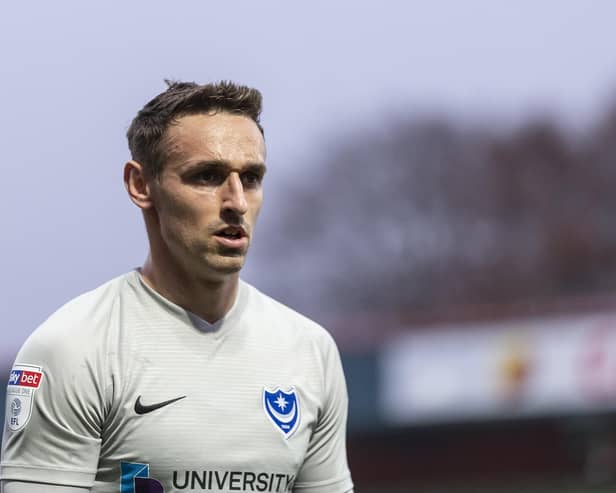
24, 380
282, 408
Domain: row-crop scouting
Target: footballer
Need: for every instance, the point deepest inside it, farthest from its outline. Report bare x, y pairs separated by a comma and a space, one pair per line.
179, 376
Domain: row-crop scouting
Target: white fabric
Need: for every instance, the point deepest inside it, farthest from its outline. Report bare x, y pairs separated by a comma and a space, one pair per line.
24, 487
104, 349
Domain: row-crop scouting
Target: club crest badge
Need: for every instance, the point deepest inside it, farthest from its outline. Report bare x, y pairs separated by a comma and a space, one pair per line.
24, 380
282, 408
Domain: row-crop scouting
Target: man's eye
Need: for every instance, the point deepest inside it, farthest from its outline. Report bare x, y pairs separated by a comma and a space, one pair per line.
206, 176
209, 177
251, 179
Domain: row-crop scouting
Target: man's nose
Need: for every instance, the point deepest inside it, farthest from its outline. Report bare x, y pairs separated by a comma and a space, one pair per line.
233, 197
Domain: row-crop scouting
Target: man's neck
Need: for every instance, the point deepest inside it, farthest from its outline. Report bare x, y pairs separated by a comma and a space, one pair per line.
208, 299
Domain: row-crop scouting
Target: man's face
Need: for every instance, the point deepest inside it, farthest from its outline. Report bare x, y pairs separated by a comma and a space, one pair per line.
208, 195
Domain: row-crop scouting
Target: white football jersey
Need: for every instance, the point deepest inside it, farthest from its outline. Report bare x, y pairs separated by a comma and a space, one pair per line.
123, 391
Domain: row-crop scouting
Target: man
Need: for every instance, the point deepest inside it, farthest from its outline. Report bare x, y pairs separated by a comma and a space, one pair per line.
179, 376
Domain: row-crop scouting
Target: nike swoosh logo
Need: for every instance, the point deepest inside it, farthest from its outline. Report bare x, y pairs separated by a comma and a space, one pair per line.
148, 408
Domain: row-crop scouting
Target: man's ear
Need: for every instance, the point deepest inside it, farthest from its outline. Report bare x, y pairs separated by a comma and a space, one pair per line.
137, 185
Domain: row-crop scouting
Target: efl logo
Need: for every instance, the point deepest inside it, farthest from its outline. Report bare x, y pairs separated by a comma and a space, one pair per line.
26, 378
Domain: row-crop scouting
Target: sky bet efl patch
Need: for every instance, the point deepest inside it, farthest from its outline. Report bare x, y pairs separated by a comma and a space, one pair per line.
23, 382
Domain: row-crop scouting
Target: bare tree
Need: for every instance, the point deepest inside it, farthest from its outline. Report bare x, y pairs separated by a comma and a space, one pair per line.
428, 213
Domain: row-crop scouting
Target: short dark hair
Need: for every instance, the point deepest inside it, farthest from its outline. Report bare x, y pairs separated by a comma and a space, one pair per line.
146, 134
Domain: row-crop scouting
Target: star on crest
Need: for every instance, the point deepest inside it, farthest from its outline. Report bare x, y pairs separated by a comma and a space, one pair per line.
281, 402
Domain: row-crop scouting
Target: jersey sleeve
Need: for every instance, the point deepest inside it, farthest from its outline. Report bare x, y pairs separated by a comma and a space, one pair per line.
325, 468
54, 410
23, 487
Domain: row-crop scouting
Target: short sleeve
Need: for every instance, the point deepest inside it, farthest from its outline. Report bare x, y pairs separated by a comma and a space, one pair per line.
29, 487
54, 411
325, 468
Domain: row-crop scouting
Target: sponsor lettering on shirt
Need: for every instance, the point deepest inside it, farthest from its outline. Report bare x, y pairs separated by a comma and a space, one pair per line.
26, 378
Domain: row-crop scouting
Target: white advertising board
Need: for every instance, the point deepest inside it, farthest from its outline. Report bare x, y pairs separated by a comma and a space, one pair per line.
547, 366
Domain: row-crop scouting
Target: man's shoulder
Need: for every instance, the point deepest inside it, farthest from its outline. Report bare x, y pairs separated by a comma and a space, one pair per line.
82, 315
290, 319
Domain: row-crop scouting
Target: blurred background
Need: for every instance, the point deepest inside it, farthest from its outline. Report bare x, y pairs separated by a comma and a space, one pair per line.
440, 196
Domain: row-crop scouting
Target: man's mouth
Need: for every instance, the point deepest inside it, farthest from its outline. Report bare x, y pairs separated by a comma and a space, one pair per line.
233, 237
232, 232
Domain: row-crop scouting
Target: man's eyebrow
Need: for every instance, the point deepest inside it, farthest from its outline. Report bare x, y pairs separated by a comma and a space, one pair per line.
258, 167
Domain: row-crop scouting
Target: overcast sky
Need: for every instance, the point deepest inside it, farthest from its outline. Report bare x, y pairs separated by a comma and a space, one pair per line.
73, 74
